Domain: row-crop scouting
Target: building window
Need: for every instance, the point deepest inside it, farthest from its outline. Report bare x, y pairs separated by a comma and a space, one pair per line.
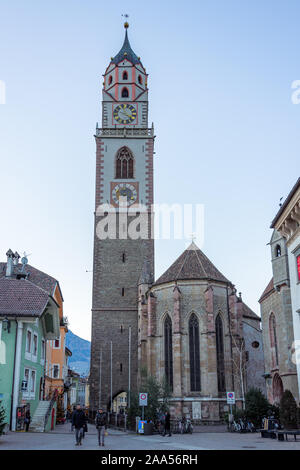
57, 343
168, 351
220, 354
124, 164
123, 257
123, 291
35, 345
125, 75
273, 339
140, 79
121, 367
121, 329
255, 344
194, 354
56, 371
278, 251
110, 80
28, 341
26, 378
32, 385
125, 93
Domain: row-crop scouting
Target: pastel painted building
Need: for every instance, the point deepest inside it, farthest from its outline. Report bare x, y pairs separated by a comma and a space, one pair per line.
28, 319
55, 369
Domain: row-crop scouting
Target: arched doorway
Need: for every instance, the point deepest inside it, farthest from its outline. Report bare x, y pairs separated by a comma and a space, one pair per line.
277, 388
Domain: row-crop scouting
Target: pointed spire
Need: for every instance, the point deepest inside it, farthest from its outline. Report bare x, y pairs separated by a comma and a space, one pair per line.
126, 52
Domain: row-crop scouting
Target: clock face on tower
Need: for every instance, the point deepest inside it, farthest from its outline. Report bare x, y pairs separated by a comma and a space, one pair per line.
125, 113
126, 191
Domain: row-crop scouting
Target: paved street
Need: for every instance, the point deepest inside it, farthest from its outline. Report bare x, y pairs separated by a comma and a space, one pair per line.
63, 439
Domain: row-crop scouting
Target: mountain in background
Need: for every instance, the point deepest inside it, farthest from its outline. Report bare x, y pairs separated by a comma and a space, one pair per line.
81, 350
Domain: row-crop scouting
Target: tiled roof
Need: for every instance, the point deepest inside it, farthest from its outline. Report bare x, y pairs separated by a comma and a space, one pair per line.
126, 53
36, 276
267, 291
19, 297
247, 312
192, 264
287, 200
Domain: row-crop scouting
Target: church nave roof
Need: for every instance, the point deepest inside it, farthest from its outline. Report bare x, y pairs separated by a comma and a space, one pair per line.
192, 264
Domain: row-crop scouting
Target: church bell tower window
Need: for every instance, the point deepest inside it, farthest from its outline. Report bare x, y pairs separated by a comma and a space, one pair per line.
124, 164
125, 93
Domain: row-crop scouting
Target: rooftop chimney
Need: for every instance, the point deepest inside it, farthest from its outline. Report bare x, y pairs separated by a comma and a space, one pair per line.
10, 263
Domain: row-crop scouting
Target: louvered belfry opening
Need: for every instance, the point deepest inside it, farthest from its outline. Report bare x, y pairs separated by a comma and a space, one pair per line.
195, 378
124, 164
220, 354
168, 351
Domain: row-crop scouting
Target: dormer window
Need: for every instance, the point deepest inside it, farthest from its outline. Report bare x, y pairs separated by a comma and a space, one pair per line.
125, 93
125, 75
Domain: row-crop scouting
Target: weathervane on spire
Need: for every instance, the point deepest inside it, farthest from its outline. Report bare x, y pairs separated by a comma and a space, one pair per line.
126, 24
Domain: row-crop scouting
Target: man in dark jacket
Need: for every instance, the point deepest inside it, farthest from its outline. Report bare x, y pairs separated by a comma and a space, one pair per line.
78, 421
167, 423
101, 425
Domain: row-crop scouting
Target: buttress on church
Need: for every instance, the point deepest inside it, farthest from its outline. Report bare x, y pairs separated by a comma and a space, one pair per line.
189, 326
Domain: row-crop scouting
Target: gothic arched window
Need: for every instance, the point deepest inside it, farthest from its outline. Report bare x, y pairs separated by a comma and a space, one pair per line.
278, 251
273, 339
194, 354
140, 79
168, 351
220, 354
125, 75
124, 164
110, 80
125, 93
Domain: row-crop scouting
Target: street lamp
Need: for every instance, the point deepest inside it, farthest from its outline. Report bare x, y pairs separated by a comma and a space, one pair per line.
6, 324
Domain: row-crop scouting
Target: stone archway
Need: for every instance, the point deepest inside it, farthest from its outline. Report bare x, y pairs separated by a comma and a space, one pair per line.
277, 388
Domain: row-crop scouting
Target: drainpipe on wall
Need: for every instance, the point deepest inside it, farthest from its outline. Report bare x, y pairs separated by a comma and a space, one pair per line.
17, 374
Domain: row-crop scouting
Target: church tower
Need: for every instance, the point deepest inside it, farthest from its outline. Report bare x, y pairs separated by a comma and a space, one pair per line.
124, 196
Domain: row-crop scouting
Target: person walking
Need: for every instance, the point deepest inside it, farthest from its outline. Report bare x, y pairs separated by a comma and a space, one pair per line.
27, 420
167, 424
78, 421
101, 425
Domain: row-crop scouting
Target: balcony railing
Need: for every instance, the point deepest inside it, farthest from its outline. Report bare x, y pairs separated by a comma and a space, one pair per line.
125, 132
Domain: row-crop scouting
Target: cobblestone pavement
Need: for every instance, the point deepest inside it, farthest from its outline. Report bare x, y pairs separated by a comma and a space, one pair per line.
62, 438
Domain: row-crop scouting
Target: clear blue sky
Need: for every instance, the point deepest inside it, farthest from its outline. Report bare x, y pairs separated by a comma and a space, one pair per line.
220, 75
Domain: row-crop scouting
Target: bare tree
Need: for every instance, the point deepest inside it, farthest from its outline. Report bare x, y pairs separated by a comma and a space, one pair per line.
239, 364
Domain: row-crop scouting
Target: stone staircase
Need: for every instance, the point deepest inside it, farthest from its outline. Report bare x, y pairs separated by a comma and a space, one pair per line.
38, 421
